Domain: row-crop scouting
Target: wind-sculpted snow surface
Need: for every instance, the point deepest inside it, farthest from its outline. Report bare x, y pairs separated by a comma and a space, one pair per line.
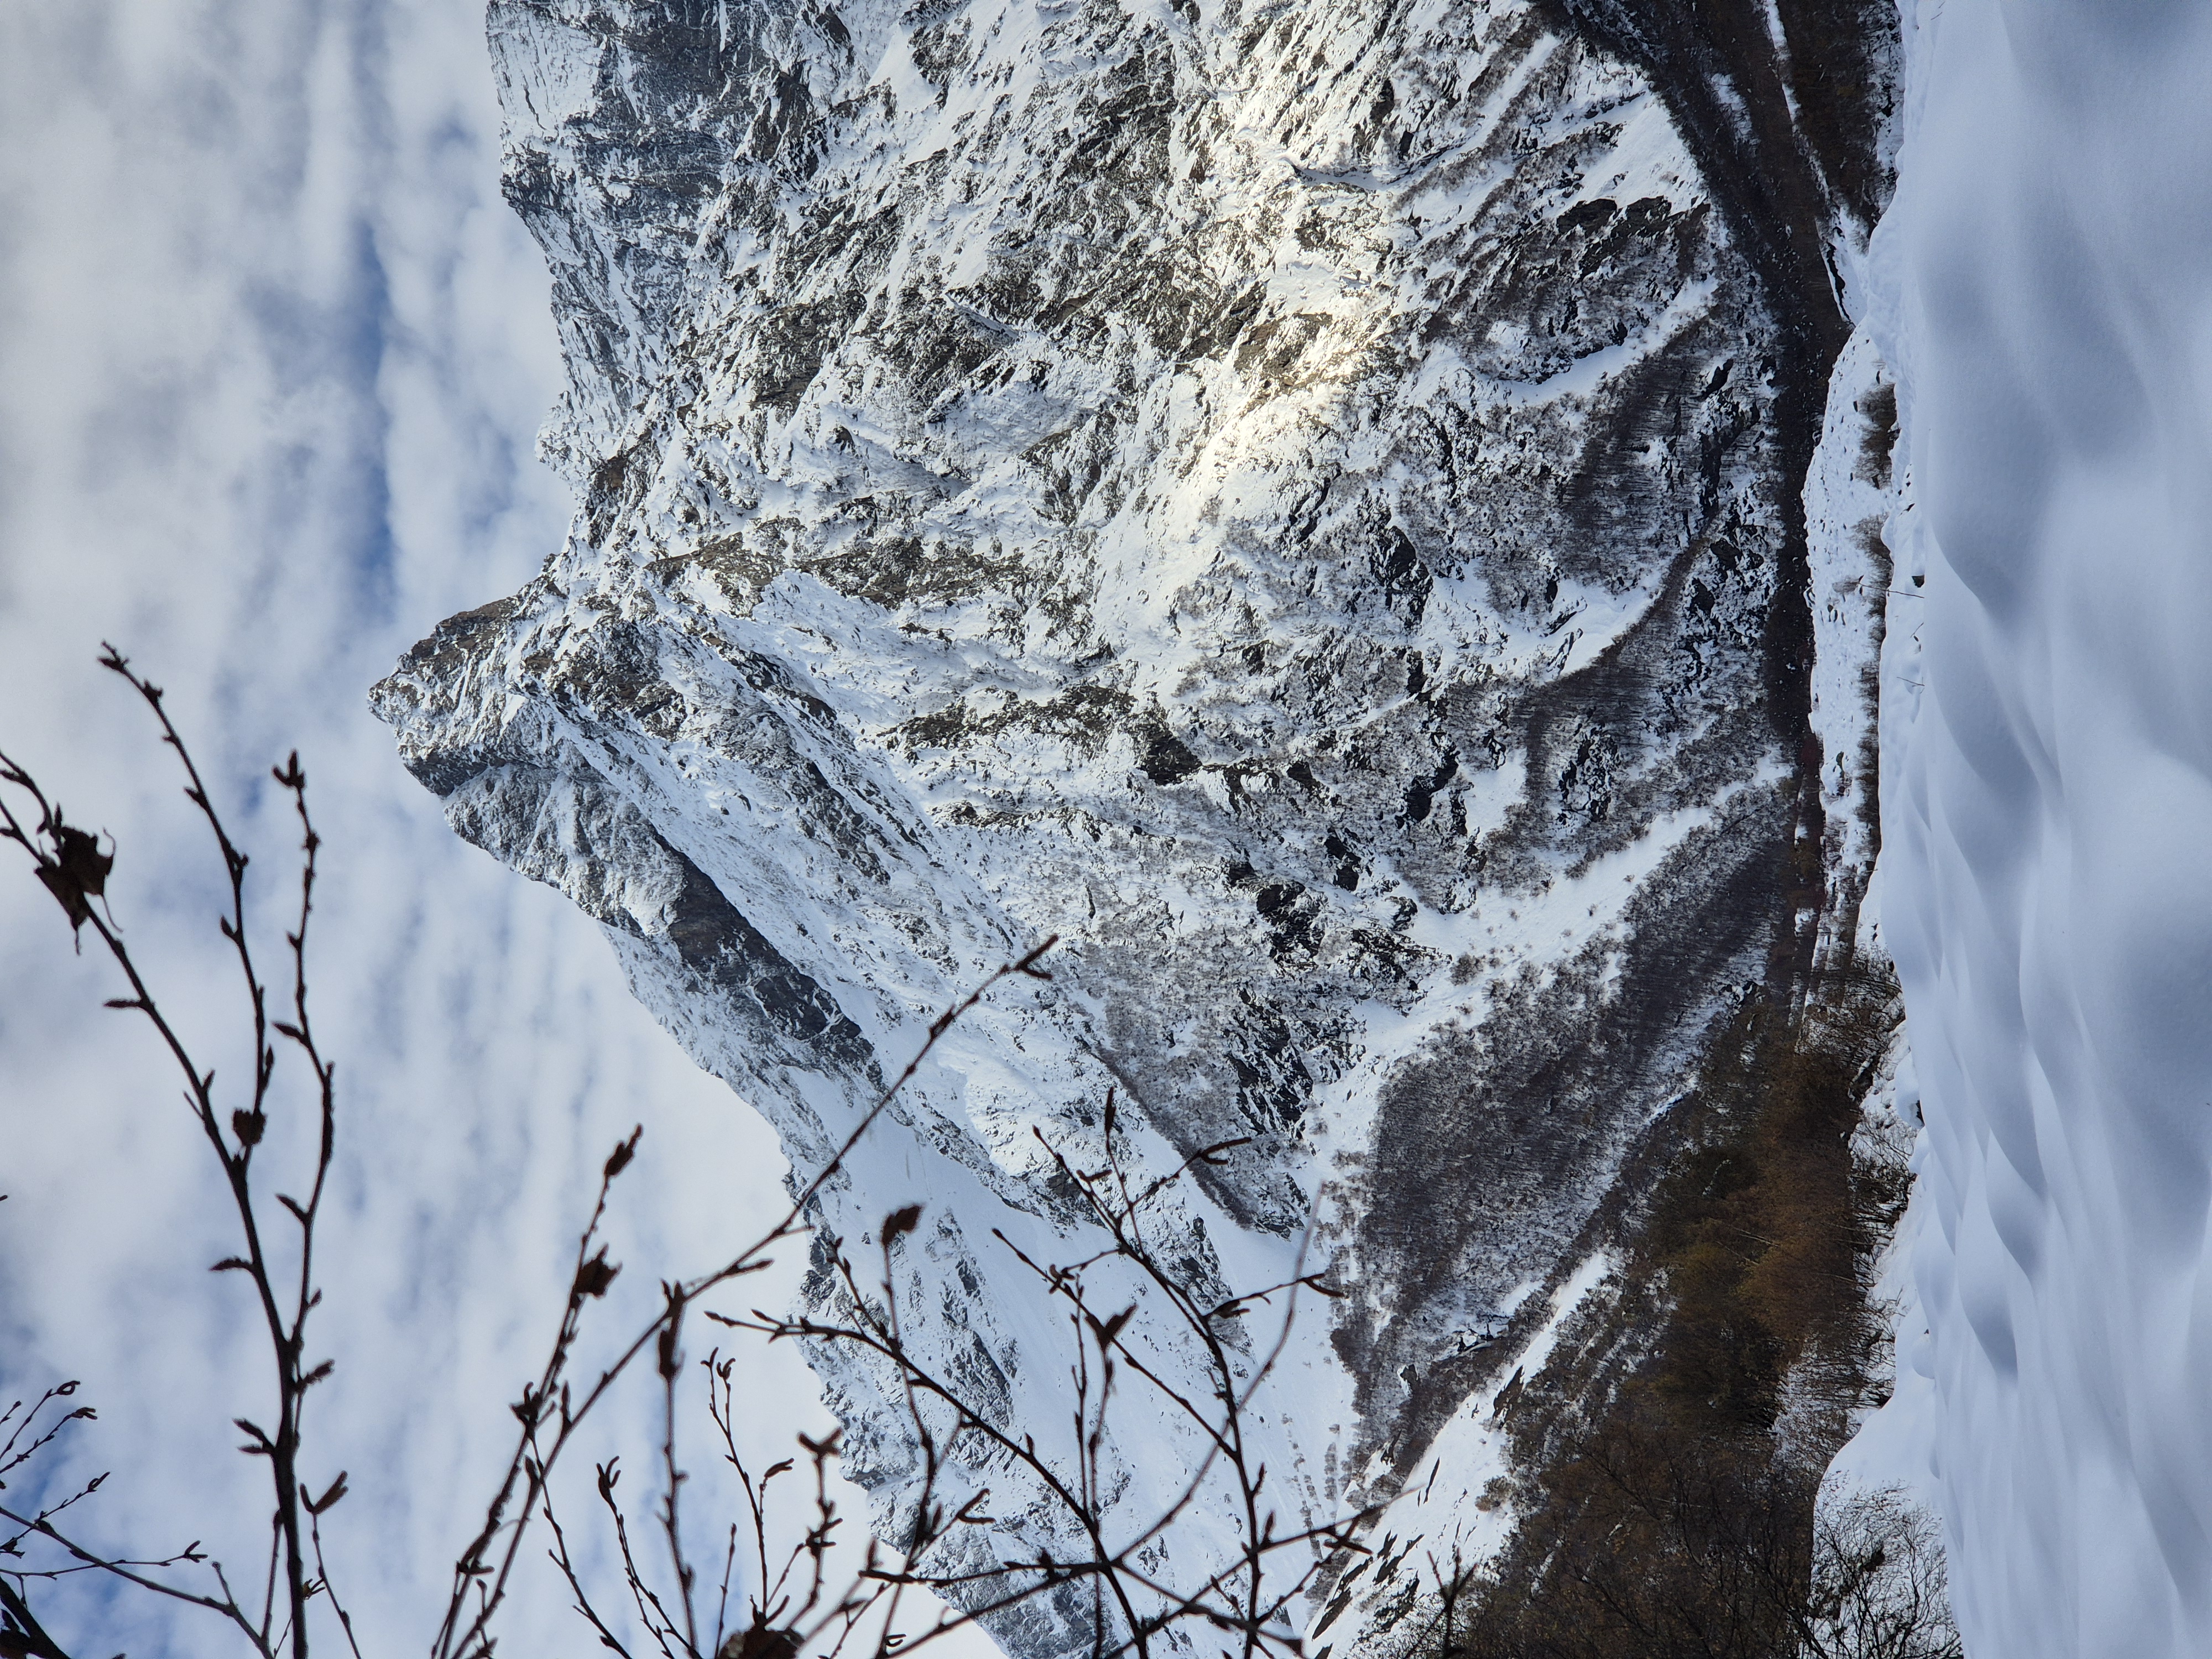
2047, 278
1287, 499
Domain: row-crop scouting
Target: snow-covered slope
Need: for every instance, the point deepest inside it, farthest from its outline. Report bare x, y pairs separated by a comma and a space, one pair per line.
1296, 502
2044, 288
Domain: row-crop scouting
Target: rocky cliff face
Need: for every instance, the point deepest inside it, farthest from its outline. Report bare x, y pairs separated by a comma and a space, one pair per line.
1300, 502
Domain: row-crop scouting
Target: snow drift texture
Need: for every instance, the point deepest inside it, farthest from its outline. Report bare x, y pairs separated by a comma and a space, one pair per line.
2045, 289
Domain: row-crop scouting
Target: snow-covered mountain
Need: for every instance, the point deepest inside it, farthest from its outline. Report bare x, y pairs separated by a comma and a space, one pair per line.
1308, 505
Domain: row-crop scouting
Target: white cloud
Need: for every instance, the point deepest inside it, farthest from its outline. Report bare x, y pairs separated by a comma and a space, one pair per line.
272, 353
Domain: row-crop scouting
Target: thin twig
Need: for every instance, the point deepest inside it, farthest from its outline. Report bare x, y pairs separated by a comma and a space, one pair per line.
470, 1639
68, 861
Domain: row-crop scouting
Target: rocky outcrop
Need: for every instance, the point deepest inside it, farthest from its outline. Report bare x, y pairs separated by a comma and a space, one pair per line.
1301, 503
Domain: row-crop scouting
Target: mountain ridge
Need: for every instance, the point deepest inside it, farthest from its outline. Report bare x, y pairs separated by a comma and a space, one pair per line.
1269, 499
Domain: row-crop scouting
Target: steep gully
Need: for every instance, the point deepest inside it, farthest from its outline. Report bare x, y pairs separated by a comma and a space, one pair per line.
1790, 143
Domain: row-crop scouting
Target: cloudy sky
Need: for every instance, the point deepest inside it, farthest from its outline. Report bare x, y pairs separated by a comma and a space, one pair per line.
272, 355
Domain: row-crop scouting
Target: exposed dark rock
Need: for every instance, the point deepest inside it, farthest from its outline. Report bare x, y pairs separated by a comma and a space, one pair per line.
1304, 504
